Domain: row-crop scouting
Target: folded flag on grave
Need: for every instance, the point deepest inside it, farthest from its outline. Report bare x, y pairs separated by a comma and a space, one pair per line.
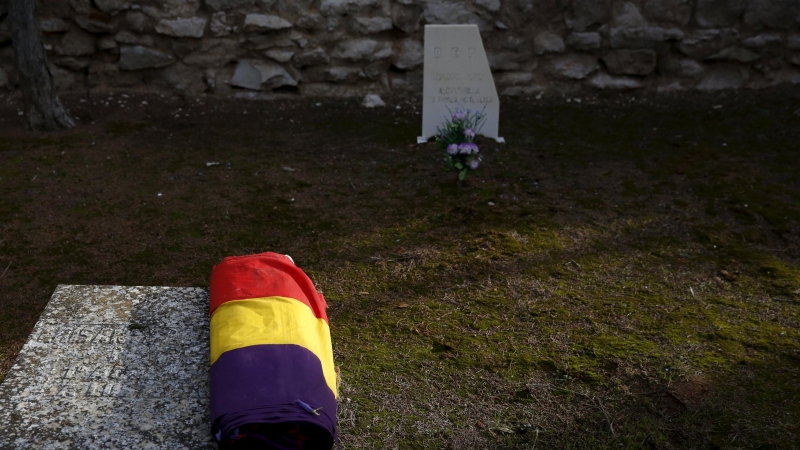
272, 380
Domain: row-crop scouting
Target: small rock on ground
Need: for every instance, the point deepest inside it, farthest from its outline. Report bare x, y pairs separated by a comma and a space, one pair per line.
372, 101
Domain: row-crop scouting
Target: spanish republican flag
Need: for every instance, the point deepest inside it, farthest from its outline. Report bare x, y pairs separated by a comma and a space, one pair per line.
273, 382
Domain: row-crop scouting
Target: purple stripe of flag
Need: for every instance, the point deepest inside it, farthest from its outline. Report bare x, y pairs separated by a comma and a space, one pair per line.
261, 384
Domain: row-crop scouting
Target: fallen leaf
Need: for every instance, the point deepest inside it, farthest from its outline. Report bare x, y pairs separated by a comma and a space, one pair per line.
363, 293
403, 305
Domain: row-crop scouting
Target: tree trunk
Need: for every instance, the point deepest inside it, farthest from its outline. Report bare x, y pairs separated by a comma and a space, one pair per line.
42, 106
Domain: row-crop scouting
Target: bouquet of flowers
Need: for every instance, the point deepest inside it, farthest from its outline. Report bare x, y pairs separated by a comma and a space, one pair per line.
456, 137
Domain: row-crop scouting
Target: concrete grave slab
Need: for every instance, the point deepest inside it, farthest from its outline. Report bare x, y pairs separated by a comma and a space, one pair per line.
457, 74
112, 367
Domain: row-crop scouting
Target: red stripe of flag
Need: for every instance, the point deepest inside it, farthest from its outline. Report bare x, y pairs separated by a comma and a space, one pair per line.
263, 275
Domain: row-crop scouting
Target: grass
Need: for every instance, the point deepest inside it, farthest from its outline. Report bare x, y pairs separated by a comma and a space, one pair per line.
634, 283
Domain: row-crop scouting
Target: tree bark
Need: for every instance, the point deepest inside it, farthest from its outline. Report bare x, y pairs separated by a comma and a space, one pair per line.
43, 109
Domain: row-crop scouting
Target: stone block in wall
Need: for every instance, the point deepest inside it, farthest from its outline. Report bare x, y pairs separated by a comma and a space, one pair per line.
63, 80
630, 62
682, 67
332, 90
182, 78
734, 53
105, 74
504, 61
607, 82
281, 55
218, 25
409, 54
112, 6
126, 37
107, 43
584, 40
676, 11
575, 67
405, 82
514, 91
247, 76
668, 86
513, 78
258, 75
341, 7
138, 21
336, 74
520, 44
220, 5
762, 40
783, 76
406, 17
184, 47
53, 25
586, 13
76, 43
276, 76
724, 77
193, 27
222, 80
371, 25
704, 43
95, 24
776, 14
81, 6
363, 50
548, 42
298, 38
451, 12
171, 9
489, 5
770, 65
265, 23
626, 15
271, 40
315, 57
718, 13
311, 22
138, 58
643, 37
215, 52
74, 64
793, 42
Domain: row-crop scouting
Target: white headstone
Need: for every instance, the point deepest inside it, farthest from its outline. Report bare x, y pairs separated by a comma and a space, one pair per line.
457, 74
112, 367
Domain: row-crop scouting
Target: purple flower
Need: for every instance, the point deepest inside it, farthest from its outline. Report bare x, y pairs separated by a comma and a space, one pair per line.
468, 148
473, 163
459, 115
452, 149
469, 133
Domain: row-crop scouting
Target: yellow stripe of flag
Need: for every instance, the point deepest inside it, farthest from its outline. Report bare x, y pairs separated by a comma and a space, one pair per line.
272, 320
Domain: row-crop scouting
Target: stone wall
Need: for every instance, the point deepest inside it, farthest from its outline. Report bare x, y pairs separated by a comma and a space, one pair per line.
349, 47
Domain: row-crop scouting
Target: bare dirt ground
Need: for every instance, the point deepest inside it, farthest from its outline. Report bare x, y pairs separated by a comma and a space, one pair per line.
623, 273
